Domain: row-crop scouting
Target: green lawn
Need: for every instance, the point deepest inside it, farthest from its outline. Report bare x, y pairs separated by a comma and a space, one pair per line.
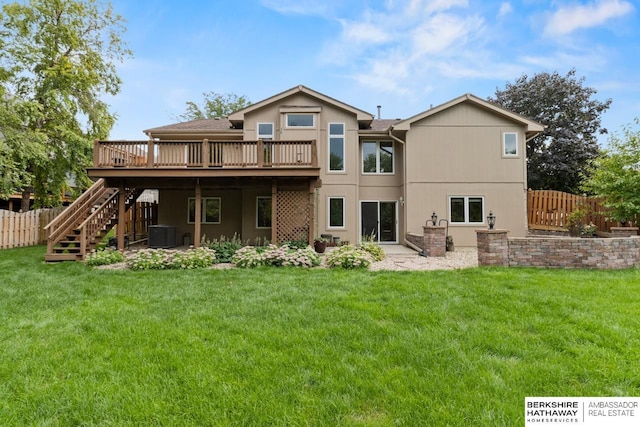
82, 346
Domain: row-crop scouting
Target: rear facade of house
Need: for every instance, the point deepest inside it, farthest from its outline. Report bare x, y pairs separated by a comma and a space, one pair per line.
301, 164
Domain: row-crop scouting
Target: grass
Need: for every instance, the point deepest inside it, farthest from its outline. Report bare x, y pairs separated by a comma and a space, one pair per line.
289, 347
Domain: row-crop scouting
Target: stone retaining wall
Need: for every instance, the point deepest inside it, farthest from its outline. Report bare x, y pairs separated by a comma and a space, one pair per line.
494, 248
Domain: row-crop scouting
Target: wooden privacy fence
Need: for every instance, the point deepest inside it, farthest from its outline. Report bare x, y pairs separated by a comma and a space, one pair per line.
25, 228
549, 209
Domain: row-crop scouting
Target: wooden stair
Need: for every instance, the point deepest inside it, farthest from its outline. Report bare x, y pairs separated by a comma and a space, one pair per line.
80, 227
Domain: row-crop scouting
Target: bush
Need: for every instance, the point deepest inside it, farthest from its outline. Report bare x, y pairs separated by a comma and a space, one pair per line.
224, 248
349, 256
376, 252
104, 257
162, 259
278, 256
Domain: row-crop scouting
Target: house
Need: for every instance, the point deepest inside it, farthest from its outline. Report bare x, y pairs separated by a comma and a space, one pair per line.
300, 164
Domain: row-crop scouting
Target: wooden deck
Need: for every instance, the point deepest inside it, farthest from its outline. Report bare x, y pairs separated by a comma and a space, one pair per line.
156, 159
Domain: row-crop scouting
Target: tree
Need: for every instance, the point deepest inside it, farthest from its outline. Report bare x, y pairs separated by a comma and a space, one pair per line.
558, 158
215, 105
56, 63
615, 176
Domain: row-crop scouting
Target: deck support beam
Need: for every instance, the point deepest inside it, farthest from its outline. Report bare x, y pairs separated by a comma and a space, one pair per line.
122, 210
197, 221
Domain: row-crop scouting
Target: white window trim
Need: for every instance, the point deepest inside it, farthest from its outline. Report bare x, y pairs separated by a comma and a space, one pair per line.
344, 213
257, 204
265, 136
466, 210
202, 211
343, 135
504, 145
286, 120
377, 172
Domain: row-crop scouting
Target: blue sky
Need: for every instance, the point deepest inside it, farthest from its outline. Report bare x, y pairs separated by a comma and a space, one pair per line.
402, 54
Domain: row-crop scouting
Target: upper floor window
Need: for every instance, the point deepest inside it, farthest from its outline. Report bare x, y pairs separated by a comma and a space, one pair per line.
265, 131
210, 210
377, 157
466, 209
510, 144
303, 120
336, 147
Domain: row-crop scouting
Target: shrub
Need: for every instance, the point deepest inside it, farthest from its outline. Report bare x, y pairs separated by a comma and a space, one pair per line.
349, 256
224, 248
162, 259
297, 244
278, 256
193, 258
104, 257
376, 252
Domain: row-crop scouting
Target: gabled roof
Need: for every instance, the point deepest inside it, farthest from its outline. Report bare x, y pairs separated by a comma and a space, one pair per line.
532, 128
194, 125
362, 116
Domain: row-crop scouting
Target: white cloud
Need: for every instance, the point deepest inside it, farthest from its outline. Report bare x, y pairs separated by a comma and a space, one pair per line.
505, 9
442, 31
299, 7
570, 18
363, 32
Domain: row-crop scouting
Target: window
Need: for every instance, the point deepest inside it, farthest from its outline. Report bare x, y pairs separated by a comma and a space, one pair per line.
210, 210
265, 131
377, 157
336, 212
466, 209
263, 212
336, 147
300, 120
510, 144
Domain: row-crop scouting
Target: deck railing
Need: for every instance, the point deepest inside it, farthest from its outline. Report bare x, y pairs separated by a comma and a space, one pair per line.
205, 154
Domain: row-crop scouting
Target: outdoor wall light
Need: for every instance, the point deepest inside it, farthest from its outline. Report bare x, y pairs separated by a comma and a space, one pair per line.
491, 220
434, 218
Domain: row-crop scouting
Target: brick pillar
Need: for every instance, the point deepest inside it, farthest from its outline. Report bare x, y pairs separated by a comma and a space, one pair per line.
624, 231
493, 248
435, 241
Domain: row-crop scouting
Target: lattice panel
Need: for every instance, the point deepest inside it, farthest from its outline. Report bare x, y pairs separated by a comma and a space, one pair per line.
293, 216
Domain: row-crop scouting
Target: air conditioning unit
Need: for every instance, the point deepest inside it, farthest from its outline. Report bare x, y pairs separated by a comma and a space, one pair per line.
162, 236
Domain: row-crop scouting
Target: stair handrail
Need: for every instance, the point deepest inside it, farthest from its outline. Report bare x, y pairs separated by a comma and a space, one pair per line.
98, 185
67, 219
102, 219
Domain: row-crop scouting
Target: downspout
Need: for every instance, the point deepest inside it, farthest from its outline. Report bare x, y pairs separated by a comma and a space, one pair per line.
404, 189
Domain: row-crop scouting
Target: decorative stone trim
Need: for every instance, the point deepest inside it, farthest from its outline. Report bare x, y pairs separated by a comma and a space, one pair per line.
624, 231
495, 249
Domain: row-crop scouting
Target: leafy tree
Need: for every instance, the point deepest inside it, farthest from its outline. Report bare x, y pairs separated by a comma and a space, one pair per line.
214, 105
558, 158
615, 175
56, 63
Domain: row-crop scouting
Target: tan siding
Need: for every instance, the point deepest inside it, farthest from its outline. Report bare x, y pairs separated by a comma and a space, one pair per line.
458, 152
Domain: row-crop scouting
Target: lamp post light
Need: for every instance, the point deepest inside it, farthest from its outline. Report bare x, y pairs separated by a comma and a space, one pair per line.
491, 220
434, 218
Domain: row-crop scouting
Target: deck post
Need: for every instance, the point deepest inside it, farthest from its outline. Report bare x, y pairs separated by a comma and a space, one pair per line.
197, 225
122, 200
314, 154
274, 211
205, 153
312, 209
96, 155
260, 153
150, 153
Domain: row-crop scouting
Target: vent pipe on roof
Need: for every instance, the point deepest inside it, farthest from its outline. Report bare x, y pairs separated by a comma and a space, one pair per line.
379, 108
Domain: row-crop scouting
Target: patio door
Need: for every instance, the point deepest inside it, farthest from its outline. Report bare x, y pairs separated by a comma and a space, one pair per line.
380, 220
